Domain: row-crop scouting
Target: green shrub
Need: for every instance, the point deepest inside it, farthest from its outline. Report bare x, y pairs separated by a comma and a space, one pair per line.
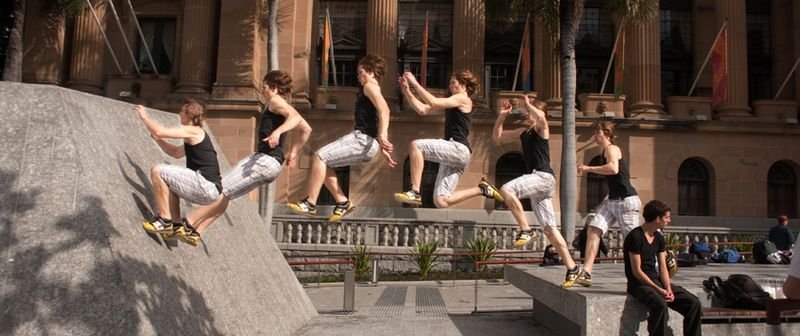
673, 239
362, 259
424, 257
481, 245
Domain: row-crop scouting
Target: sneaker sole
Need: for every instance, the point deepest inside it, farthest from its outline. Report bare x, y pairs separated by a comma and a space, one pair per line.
152, 229
406, 200
516, 244
193, 243
584, 284
567, 284
336, 218
298, 211
495, 192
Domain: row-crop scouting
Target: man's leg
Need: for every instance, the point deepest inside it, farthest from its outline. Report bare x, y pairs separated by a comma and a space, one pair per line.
316, 178
201, 218
657, 307
593, 237
161, 193
417, 164
687, 305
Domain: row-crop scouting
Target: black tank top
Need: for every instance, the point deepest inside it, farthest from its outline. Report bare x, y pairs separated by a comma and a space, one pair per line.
536, 151
366, 117
457, 125
202, 157
269, 122
619, 185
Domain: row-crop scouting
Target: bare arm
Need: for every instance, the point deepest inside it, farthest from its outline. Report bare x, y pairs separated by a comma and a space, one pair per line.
462, 102
499, 135
170, 149
304, 132
280, 106
636, 268
183, 132
612, 156
663, 272
418, 106
539, 118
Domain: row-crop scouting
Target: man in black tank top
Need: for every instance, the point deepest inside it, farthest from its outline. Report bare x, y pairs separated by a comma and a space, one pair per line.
622, 205
538, 185
263, 166
199, 182
453, 152
360, 146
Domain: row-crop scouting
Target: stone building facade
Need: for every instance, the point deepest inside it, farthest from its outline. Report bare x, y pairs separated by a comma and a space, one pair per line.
738, 160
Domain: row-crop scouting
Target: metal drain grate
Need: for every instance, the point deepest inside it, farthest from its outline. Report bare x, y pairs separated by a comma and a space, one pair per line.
390, 303
430, 302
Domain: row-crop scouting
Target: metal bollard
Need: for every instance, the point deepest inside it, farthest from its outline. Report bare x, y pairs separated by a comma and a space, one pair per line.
374, 271
349, 291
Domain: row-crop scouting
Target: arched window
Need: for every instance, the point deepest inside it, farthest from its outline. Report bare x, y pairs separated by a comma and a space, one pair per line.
410, 27
693, 189
781, 190
596, 187
343, 175
427, 184
509, 167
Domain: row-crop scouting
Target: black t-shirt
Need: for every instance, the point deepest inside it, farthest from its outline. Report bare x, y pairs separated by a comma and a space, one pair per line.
270, 121
536, 151
366, 115
781, 236
636, 243
457, 125
619, 184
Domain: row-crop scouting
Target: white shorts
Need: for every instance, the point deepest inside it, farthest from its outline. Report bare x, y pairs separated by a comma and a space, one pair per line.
188, 184
353, 148
625, 212
452, 158
249, 173
539, 188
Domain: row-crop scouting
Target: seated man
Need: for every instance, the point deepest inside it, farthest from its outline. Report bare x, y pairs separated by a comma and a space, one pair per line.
648, 277
780, 234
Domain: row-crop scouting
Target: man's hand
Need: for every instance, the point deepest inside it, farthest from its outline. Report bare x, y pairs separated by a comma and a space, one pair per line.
409, 77
402, 83
385, 144
388, 157
505, 108
291, 160
582, 168
272, 140
142, 111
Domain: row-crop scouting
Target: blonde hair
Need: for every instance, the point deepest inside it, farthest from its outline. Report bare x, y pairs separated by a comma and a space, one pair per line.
195, 110
466, 78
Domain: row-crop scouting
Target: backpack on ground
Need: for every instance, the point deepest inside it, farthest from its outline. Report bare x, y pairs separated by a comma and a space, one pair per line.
686, 259
701, 250
738, 292
672, 263
728, 257
551, 256
765, 252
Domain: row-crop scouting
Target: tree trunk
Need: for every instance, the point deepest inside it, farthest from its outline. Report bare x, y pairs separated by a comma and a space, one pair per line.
12, 69
568, 185
266, 204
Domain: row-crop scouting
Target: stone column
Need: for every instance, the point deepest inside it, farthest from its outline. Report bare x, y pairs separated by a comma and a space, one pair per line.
469, 27
382, 41
796, 34
198, 33
550, 88
240, 52
88, 51
781, 42
736, 104
44, 39
643, 69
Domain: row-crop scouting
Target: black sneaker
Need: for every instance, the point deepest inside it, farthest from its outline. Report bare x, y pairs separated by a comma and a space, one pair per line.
409, 197
303, 208
584, 279
571, 276
341, 210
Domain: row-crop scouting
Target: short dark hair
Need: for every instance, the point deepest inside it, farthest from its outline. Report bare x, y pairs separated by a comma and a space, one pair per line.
280, 80
195, 110
374, 64
783, 219
654, 209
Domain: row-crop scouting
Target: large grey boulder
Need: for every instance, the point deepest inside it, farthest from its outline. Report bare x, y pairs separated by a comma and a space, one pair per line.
74, 259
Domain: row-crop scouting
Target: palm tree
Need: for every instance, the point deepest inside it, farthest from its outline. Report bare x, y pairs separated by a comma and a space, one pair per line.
12, 69
561, 18
267, 192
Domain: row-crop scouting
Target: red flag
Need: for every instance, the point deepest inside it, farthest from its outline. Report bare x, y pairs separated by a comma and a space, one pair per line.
326, 47
424, 59
526, 57
619, 66
719, 69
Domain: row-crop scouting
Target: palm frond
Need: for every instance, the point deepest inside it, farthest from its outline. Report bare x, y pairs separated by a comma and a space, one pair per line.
66, 8
633, 11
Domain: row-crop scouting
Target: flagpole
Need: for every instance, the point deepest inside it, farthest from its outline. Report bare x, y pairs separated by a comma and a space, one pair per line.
789, 75
519, 58
333, 59
708, 55
424, 55
611, 59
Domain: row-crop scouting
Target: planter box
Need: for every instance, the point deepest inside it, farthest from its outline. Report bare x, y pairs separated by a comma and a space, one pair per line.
689, 108
779, 111
133, 86
599, 104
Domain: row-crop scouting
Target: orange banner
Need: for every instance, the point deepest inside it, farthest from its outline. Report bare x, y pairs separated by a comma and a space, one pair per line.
719, 69
526, 58
326, 49
619, 66
424, 59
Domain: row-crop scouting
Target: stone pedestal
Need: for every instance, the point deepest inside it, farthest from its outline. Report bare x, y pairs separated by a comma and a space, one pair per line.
689, 108
601, 105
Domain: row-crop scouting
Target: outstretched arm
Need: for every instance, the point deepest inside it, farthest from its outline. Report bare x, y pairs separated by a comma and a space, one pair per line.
304, 132
418, 106
436, 103
280, 106
499, 135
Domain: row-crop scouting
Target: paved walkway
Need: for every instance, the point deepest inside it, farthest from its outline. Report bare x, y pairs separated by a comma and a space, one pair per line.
424, 308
